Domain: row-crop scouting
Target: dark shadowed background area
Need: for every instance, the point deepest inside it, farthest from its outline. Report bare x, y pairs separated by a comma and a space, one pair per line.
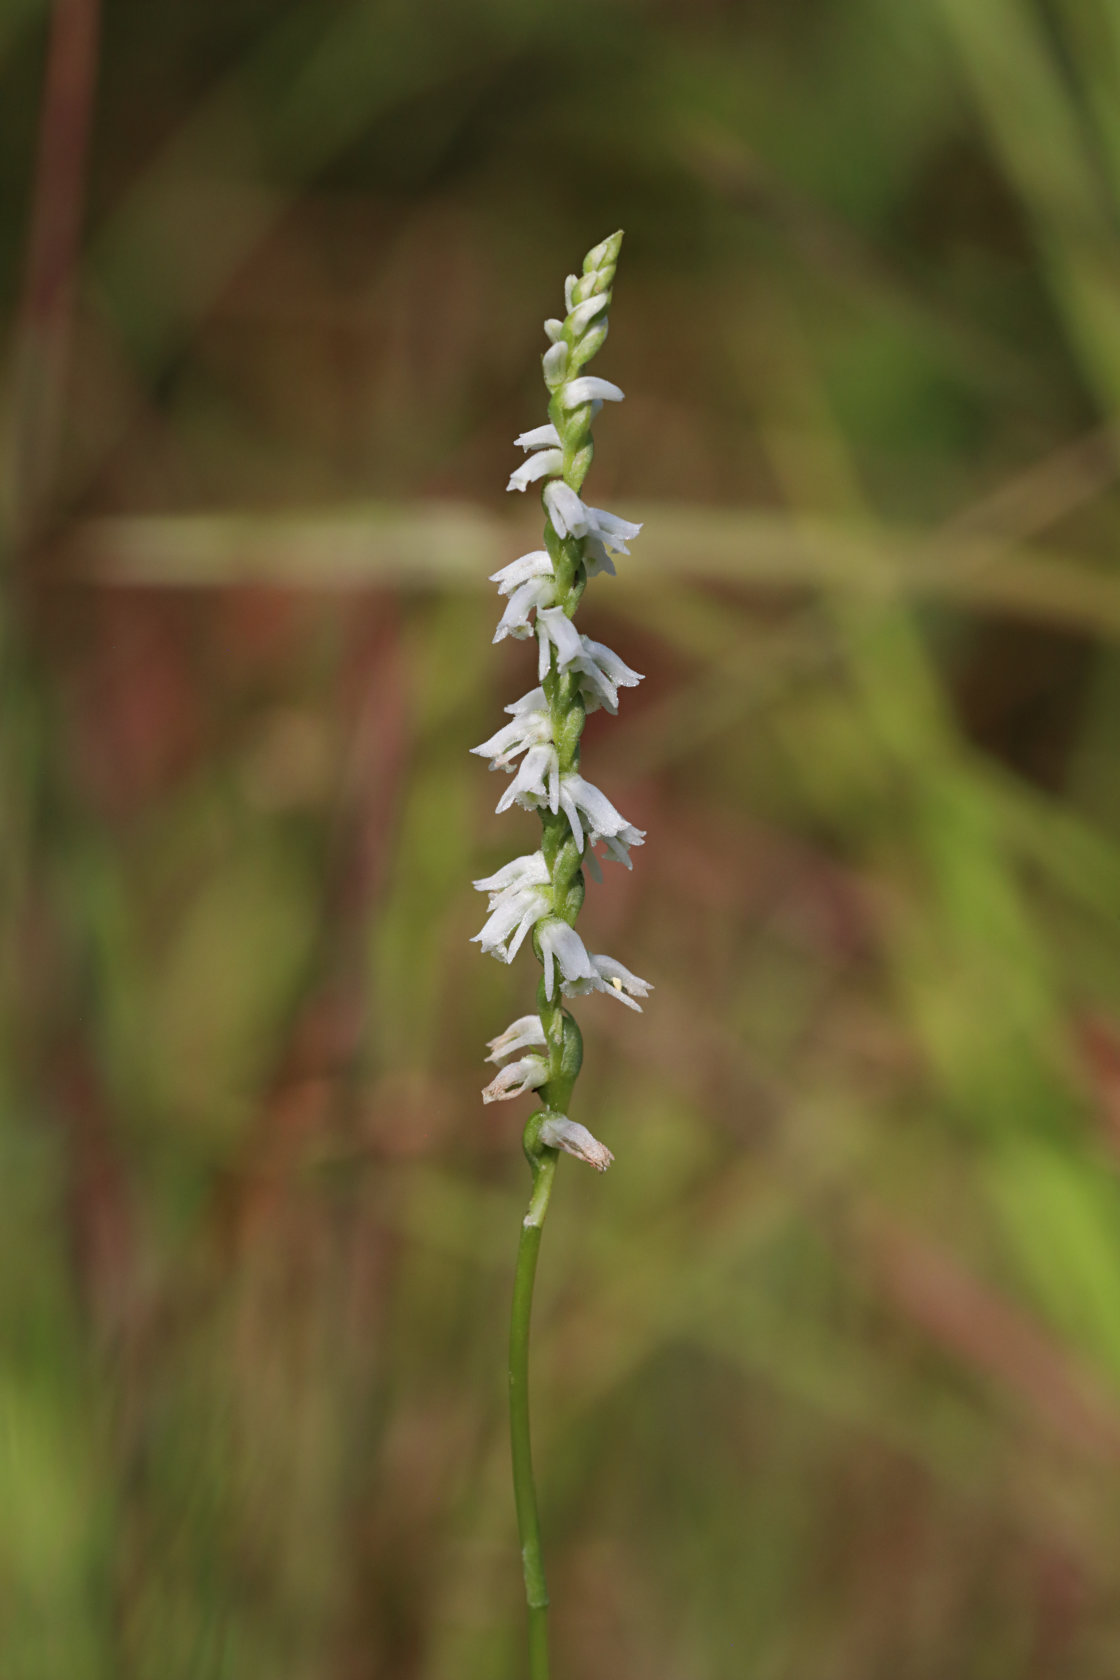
827, 1379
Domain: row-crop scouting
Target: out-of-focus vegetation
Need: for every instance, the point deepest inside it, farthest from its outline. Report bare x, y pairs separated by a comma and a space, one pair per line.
828, 1367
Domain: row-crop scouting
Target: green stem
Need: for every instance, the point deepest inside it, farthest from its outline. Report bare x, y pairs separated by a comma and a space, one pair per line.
543, 1163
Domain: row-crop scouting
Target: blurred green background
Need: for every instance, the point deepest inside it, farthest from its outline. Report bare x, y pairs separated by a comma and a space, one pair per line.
827, 1377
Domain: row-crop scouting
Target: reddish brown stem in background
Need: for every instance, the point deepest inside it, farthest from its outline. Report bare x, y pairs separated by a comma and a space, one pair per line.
99, 1225
42, 336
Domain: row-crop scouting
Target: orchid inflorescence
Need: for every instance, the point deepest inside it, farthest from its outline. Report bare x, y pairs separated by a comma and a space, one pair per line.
541, 893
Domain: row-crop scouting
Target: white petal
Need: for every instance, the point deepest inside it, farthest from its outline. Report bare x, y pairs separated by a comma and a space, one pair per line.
513, 914
534, 701
611, 969
502, 741
553, 329
498, 926
571, 811
611, 664
570, 285
614, 531
601, 814
545, 461
581, 798
530, 778
538, 592
528, 729
530, 869
567, 512
541, 437
562, 633
524, 1031
588, 389
597, 692
558, 1132
568, 949
519, 571
619, 982
532, 916
514, 1080
596, 557
617, 844
605, 672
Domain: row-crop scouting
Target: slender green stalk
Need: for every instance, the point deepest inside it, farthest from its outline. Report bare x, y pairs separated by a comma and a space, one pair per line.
524, 1486
543, 891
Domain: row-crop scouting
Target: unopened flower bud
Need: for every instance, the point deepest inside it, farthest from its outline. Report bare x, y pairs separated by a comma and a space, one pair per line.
555, 363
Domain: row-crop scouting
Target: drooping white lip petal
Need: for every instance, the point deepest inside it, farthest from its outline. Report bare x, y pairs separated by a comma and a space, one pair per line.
618, 844
618, 982
566, 511
526, 1030
612, 978
541, 437
617, 974
558, 1132
545, 461
596, 557
588, 389
519, 571
581, 317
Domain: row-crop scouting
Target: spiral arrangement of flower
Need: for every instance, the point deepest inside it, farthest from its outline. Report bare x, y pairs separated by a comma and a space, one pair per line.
540, 895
